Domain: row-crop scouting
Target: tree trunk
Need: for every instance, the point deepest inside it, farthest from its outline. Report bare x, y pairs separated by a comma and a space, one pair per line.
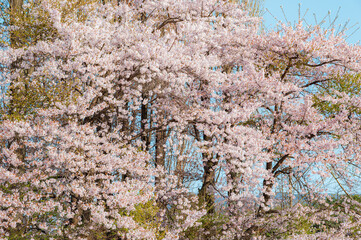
267, 186
206, 193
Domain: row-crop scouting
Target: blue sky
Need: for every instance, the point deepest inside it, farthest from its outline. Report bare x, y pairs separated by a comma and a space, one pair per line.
350, 10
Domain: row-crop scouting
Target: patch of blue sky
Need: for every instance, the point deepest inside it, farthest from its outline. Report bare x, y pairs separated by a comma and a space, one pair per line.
345, 13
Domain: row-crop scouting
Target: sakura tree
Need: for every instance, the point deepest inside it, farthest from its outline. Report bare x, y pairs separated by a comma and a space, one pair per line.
135, 99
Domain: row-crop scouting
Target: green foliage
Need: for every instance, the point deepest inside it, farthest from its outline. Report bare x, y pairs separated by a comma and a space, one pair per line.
31, 25
349, 84
209, 225
254, 7
20, 232
146, 215
28, 28
31, 94
292, 225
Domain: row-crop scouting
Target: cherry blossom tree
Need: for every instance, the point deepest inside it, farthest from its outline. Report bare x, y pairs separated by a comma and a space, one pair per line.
298, 64
139, 88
